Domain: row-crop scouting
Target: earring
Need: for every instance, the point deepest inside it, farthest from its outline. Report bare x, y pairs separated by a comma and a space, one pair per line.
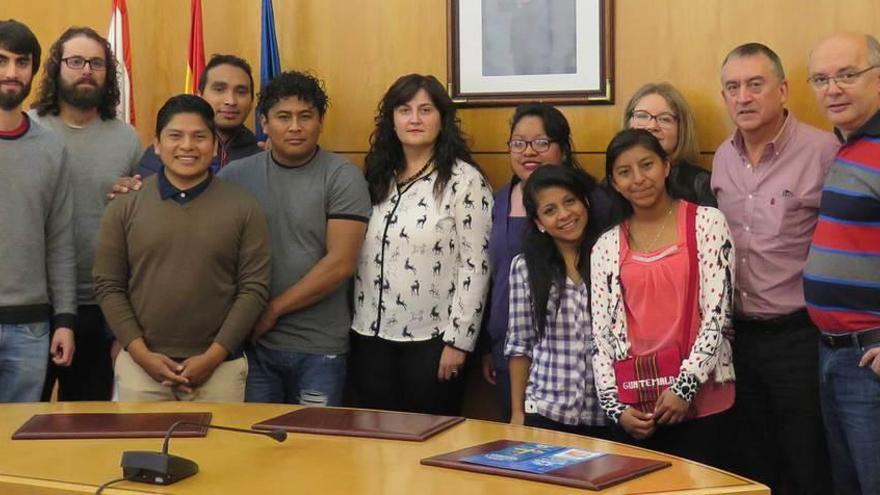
542, 230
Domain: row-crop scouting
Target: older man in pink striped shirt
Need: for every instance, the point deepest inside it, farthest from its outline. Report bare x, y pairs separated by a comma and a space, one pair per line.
768, 179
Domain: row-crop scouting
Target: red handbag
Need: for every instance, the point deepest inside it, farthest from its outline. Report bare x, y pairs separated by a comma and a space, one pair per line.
641, 379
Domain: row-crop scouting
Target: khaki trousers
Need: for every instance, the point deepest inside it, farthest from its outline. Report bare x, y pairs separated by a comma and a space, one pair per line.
135, 385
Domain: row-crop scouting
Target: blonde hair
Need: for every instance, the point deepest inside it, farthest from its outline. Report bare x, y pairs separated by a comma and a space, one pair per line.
686, 148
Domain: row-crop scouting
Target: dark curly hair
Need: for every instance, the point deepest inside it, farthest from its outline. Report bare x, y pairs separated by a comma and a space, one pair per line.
385, 158
302, 85
47, 99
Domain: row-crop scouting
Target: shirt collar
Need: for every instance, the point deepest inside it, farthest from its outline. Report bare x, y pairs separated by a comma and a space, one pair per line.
19, 131
169, 190
871, 128
777, 144
240, 137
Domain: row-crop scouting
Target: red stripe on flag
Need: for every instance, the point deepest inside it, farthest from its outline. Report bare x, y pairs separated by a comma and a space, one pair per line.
196, 50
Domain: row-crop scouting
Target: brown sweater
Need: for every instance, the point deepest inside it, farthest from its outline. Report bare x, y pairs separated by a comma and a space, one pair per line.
183, 276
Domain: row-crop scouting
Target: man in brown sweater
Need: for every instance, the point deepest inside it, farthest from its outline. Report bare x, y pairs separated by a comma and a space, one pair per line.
182, 269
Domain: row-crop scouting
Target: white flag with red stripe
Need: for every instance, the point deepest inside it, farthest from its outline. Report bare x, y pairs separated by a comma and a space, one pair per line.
119, 42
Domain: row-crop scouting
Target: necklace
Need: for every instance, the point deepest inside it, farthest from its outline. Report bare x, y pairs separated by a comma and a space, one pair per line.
650, 247
412, 178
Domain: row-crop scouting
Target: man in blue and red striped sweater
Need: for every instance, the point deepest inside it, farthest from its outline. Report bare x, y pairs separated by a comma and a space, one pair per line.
842, 276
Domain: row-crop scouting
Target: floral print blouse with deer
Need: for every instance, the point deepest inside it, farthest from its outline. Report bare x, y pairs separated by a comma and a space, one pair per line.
424, 268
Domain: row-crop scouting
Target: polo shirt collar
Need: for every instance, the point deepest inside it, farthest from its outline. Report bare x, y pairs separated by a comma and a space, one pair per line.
870, 129
168, 190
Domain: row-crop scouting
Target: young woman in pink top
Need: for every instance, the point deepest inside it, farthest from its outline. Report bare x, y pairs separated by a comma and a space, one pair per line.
662, 301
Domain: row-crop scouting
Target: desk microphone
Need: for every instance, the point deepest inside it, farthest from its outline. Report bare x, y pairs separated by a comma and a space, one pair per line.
162, 468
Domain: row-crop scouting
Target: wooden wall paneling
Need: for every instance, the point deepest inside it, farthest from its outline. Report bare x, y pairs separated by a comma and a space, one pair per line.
360, 48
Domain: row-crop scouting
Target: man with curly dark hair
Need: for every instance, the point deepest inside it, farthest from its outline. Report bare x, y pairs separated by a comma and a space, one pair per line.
318, 207
77, 98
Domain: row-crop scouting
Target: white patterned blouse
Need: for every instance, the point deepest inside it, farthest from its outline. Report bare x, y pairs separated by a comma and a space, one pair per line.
424, 267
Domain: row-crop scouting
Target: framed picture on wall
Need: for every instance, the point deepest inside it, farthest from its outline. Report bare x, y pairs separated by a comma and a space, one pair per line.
505, 52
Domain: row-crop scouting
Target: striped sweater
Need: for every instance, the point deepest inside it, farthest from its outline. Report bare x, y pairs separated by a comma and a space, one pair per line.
842, 276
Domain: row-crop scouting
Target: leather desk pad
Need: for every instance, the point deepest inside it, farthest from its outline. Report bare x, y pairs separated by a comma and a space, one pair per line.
595, 474
361, 423
110, 425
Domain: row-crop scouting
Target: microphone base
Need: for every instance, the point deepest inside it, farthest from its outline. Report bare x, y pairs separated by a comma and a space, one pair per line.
156, 468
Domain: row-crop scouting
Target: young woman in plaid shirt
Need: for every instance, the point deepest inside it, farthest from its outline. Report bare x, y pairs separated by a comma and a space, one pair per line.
549, 339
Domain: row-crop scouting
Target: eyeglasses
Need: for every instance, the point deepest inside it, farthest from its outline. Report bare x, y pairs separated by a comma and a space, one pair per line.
664, 119
539, 145
843, 79
77, 63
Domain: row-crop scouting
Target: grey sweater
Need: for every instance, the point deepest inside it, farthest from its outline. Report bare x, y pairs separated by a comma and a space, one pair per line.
37, 255
97, 155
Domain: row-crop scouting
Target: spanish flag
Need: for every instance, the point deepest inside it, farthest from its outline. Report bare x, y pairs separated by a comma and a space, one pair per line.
270, 60
195, 63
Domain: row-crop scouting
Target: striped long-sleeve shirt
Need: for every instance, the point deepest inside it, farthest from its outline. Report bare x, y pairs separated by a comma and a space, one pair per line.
842, 276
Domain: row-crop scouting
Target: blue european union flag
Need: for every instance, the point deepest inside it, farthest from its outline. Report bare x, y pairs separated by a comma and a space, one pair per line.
270, 60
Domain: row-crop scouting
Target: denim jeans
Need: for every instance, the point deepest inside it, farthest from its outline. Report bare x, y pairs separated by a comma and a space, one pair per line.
850, 398
280, 376
24, 354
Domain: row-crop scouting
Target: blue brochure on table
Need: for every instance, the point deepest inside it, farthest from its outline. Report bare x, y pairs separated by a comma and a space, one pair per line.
533, 457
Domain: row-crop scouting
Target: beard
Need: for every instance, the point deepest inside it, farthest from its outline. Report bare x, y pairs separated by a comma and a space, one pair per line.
11, 101
81, 98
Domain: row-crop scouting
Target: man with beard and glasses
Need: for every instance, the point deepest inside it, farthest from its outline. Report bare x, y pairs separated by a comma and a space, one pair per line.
78, 97
38, 262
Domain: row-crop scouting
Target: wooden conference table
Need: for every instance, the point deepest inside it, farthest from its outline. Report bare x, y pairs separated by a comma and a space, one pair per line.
306, 464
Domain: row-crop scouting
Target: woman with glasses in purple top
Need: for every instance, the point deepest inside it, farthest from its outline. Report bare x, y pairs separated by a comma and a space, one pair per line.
549, 339
539, 135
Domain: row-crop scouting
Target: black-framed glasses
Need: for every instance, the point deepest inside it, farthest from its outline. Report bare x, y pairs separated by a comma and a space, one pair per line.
77, 63
664, 119
539, 145
843, 79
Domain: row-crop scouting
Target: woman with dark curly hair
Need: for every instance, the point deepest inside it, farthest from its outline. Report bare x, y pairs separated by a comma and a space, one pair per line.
423, 272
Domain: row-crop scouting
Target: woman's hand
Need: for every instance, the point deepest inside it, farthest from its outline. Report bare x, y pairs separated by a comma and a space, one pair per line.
451, 362
670, 409
638, 424
517, 418
488, 369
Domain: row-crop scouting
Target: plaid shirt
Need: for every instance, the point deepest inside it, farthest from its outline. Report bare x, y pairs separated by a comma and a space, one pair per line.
561, 382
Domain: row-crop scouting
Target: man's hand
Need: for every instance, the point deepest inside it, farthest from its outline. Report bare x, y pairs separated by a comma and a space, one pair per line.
451, 361
199, 368
125, 184
488, 369
638, 424
161, 368
62, 346
871, 358
670, 409
267, 322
